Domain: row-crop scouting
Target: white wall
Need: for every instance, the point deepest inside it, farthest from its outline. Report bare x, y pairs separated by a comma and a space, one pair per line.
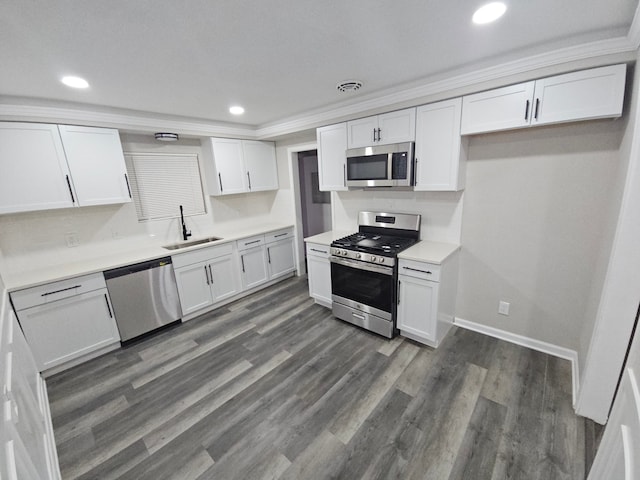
534, 207
441, 211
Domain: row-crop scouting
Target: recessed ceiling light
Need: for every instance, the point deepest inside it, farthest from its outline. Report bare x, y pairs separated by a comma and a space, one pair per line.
236, 110
489, 12
75, 82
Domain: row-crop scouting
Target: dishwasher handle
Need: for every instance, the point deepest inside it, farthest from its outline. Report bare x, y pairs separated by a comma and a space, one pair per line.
137, 267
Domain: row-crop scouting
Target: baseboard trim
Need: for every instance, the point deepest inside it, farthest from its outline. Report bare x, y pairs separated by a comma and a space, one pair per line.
531, 343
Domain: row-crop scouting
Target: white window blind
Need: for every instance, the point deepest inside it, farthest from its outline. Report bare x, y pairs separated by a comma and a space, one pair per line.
161, 182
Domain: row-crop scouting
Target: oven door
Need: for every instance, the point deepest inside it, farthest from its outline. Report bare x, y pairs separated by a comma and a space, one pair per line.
363, 286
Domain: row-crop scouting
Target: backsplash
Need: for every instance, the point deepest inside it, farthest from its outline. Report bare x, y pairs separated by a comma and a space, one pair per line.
441, 211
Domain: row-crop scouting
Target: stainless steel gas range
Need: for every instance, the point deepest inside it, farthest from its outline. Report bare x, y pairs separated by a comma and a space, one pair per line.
364, 271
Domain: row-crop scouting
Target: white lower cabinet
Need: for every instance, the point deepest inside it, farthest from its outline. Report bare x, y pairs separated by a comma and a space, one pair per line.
253, 261
319, 273
426, 299
27, 445
280, 253
67, 320
205, 277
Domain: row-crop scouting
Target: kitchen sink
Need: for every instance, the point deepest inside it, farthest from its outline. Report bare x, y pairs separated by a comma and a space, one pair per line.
177, 246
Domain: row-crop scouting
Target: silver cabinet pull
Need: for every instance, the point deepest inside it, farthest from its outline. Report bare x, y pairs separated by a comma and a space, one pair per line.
319, 251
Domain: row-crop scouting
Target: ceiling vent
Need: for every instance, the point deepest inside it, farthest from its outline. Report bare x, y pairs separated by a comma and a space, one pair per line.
166, 137
349, 86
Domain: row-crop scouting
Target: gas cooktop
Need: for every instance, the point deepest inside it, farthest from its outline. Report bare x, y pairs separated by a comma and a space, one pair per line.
388, 245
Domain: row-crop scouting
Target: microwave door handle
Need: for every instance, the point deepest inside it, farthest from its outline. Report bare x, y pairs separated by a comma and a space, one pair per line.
390, 166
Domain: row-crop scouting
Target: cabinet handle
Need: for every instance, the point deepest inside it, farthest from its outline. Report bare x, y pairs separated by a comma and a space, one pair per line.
210, 274
319, 251
242, 260
360, 317
418, 270
344, 175
535, 116
73, 200
206, 274
249, 178
269, 254
106, 299
220, 180
374, 134
379, 136
415, 172
399, 285
526, 111
281, 235
61, 290
249, 243
126, 179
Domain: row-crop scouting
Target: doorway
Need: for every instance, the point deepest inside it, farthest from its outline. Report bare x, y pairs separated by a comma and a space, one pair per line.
315, 206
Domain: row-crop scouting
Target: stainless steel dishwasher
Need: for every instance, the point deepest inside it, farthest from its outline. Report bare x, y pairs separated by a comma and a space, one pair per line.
144, 296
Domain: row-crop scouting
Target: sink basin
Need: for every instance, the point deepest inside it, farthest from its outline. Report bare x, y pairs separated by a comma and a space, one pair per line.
191, 243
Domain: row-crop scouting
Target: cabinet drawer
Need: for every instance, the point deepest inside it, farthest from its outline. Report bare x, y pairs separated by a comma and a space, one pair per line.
250, 242
318, 250
279, 235
50, 292
426, 271
201, 255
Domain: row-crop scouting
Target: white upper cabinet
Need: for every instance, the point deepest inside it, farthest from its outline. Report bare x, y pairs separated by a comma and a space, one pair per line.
441, 153
35, 175
239, 166
261, 165
392, 127
57, 166
583, 95
332, 160
95, 158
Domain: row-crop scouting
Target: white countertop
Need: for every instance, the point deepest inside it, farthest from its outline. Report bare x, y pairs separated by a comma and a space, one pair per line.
423, 251
140, 251
431, 252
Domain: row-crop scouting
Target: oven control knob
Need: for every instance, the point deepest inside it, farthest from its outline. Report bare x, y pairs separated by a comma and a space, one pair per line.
358, 255
381, 260
373, 258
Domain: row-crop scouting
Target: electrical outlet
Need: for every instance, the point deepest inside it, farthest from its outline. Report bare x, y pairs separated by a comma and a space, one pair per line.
72, 239
503, 308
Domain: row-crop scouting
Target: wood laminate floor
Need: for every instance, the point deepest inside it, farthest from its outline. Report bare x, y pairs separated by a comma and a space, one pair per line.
273, 387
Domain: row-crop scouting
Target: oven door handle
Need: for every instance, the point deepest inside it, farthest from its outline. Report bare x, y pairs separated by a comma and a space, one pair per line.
362, 265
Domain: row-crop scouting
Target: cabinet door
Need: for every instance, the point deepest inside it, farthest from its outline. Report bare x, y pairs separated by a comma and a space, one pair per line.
35, 175
194, 287
224, 278
440, 150
66, 329
362, 132
254, 267
594, 93
397, 127
332, 160
229, 166
499, 109
418, 307
260, 162
97, 165
319, 274
281, 258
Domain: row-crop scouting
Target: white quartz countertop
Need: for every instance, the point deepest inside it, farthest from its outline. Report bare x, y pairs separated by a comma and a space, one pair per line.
327, 237
141, 250
431, 252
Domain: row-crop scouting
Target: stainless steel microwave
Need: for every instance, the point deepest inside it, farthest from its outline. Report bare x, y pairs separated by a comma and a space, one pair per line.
381, 166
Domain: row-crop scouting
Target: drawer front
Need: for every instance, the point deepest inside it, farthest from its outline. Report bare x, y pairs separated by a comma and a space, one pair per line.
50, 292
250, 242
318, 250
425, 271
201, 255
279, 235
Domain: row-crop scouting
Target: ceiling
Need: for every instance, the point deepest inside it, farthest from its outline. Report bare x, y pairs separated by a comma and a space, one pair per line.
277, 58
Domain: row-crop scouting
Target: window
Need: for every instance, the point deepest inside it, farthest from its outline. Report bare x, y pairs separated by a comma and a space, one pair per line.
161, 182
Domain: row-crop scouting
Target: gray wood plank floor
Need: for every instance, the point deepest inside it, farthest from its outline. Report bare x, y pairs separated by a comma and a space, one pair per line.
272, 386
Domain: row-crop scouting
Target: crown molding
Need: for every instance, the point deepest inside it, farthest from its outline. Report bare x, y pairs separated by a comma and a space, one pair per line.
597, 51
123, 121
